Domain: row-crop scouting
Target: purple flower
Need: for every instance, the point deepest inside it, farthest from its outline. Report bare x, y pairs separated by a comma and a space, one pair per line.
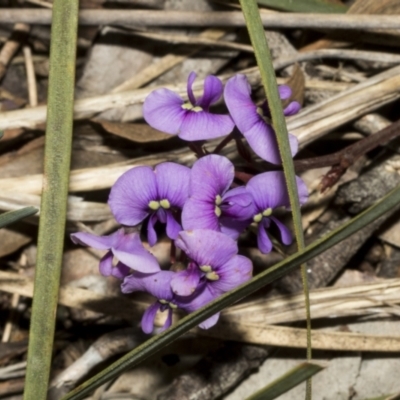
159, 286
254, 122
166, 111
127, 248
215, 264
160, 195
211, 205
269, 192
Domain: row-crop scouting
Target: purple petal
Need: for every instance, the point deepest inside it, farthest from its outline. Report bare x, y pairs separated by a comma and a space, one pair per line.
130, 251
210, 322
202, 298
207, 247
158, 284
199, 214
213, 89
173, 183
106, 264
130, 196
151, 232
199, 299
163, 110
262, 139
263, 241
191, 79
120, 271
302, 190
284, 92
238, 204
292, 108
173, 228
232, 227
202, 125
237, 97
148, 318
294, 144
232, 274
268, 190
97, 242
286, 235
211, 175
184, 283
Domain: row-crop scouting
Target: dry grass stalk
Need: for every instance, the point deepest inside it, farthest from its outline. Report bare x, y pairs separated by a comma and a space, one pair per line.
139, 18
86, 108
78, 210
11, 46
195, 40
30, 77
370, 298
166, 63
295, 337
249, 333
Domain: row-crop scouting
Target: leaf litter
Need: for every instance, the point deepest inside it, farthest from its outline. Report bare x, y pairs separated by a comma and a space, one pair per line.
346, 83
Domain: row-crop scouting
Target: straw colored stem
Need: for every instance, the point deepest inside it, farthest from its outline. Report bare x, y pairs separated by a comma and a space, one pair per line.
140, 18
54, 196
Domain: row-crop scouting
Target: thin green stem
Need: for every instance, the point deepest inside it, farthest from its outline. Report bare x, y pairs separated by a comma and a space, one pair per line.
54, 196
267, 73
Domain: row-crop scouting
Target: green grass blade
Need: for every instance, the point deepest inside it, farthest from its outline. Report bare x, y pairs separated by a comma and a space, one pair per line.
54, 196
13, 216
267, 73
156, 343
305, 6
287, 381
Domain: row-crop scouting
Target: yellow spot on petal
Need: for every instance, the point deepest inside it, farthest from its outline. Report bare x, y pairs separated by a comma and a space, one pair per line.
267, 212
257, 218
217, 211
212, 276
187, 106
173, 306
154, 205
206, 268
163, 301
165, 204
218, 199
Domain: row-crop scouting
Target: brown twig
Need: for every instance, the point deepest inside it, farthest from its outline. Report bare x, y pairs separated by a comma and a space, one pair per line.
343, 159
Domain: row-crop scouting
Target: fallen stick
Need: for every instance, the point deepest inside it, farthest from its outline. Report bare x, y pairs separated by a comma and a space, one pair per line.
140, 18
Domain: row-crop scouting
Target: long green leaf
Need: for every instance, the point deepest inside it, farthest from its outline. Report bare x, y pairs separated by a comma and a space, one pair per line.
267, 73
305, 6
12, 216
54, 196
287, 381
156, 343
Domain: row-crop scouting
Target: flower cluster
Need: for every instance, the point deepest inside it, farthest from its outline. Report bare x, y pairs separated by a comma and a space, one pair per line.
203, 209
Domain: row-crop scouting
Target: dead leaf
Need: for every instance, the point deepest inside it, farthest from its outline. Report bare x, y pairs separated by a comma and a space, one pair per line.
297, 84
140, 133
375, 7
12, 240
